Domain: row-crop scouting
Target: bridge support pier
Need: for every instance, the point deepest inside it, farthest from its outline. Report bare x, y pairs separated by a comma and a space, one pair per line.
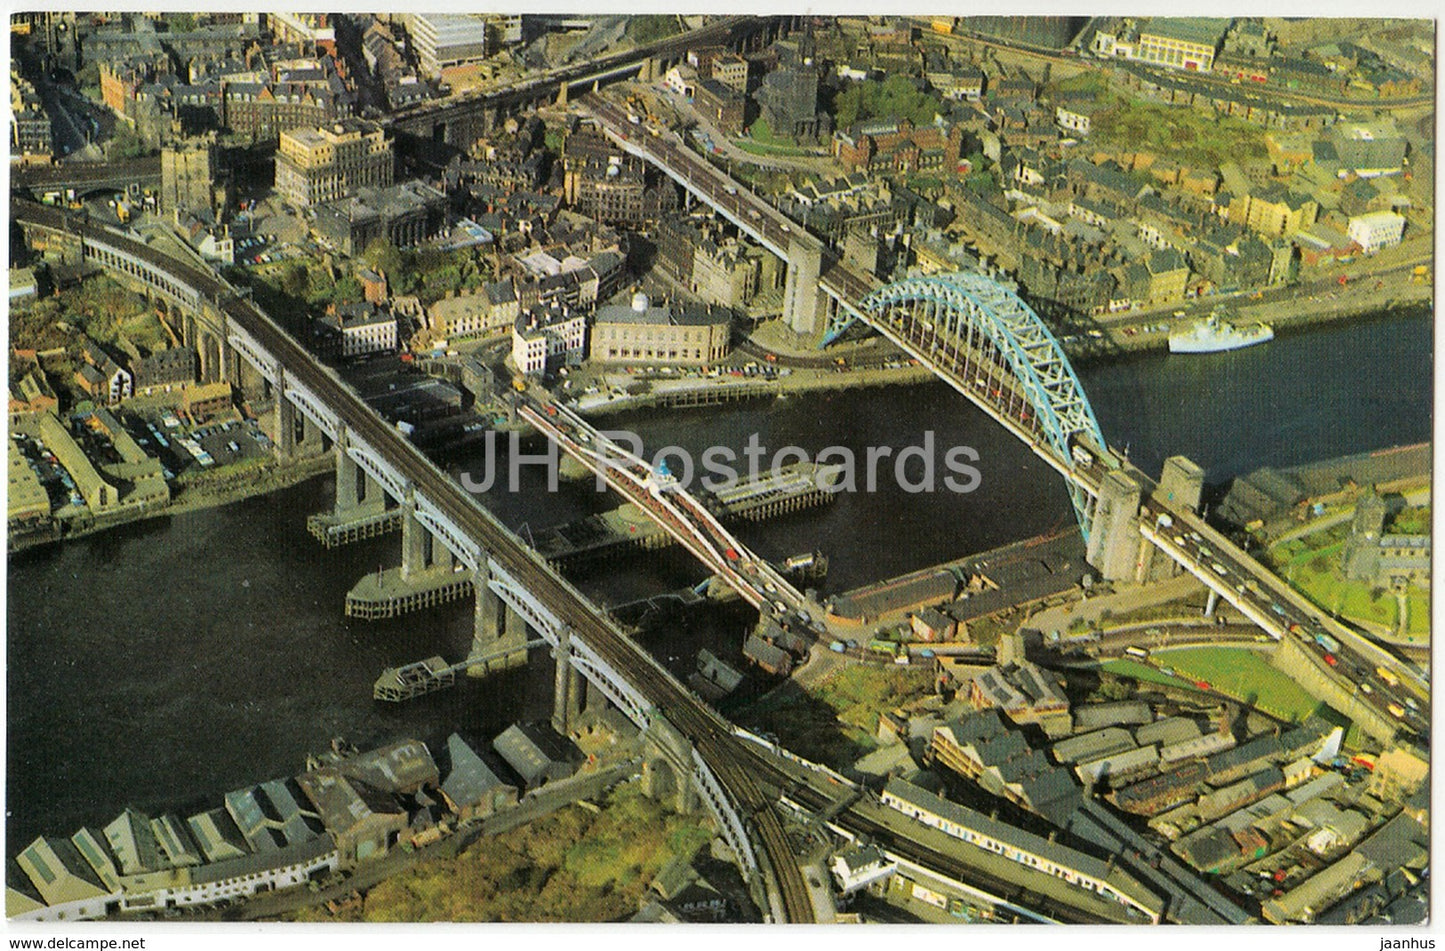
361, 505
802, 300
1212, 603
496, 627
1114, 534
667, 767
567, 690
285, 423
414, 540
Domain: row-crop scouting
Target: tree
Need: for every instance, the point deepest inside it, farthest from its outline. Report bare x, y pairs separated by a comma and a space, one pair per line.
847, 103
296, 280
381, 255
348, 290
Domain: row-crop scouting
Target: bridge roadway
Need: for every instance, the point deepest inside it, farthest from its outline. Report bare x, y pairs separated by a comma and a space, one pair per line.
421, 118
1282, 612
710, 735
673, 508
844, 285
847, 286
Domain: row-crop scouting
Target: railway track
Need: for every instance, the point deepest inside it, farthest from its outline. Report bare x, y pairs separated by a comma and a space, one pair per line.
711, 735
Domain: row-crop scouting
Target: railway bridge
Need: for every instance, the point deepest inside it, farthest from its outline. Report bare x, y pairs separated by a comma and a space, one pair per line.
316, 411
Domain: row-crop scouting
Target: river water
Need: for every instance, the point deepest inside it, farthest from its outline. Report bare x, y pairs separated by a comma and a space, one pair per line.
162, 664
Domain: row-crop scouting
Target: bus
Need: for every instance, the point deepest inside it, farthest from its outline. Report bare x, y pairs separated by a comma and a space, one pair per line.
1138, 653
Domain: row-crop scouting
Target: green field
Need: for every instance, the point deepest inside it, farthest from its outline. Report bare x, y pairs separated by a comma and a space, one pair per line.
1180, 134
1311, 564
1235, 672
1244, 675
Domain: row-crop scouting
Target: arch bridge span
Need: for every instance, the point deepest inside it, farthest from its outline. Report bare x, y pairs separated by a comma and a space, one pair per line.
989, 345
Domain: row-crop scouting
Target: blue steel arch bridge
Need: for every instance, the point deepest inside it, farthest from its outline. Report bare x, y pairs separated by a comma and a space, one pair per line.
982, 339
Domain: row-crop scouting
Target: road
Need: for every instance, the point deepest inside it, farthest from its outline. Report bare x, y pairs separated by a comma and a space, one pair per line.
1350, 656
422, 117
675, 509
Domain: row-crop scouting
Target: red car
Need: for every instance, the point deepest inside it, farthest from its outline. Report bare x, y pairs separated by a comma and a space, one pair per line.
1330, 659
1203, 685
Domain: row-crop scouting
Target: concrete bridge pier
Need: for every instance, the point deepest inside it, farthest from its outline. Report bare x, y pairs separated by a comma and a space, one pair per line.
568, 692
285, 423
208, 350
415, 541
1212, 603
803, 309
1114, 537
361, 505
496, 626
248, 380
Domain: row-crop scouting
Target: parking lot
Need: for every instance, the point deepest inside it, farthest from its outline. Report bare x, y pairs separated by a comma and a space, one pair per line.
182, 447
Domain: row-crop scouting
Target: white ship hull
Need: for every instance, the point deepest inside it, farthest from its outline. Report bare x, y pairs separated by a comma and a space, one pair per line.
1195, 341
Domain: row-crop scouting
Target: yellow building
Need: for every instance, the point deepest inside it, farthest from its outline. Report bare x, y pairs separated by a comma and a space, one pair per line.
1181, 42
644, 333
1278, 212
330, 162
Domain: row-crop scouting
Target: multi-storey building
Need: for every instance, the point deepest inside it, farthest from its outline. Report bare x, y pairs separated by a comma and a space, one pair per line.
322, 164
261, 110
352, 330
29, 124
404, 214
312, 31
723, 273
545, 333
644, 333
442, 41
1376, 230
730, 69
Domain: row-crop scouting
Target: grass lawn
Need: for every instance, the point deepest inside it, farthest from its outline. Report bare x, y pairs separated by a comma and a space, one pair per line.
1417, 625
836, 721
761, 140
1141, 672
755, 147
1244, 675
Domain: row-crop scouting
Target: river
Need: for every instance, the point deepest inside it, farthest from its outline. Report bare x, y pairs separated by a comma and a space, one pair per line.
161, 664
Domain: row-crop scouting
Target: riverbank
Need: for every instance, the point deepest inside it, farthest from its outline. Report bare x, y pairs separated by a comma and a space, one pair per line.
705, 391
208, 491
1314, 305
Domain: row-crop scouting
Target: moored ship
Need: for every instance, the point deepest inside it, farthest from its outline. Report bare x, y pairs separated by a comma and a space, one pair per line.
1214, 334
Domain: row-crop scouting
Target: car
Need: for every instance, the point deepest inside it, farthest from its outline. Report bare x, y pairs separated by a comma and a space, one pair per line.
1366, 688
1332, 660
